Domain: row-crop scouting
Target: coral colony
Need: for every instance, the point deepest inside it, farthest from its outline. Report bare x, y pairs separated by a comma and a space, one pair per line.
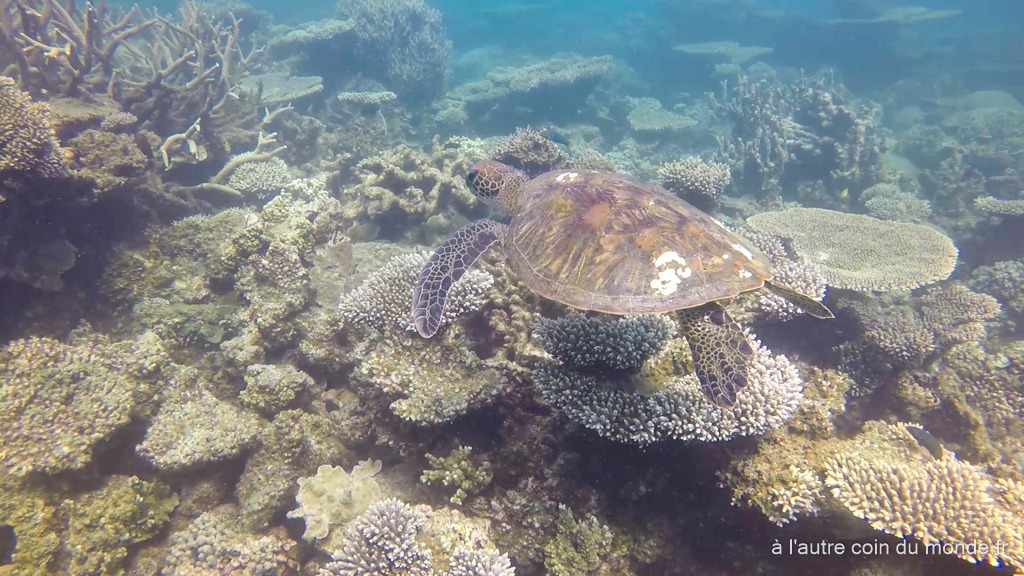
212, 227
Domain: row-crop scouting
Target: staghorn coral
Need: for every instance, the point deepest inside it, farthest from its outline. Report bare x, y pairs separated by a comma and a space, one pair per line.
804, 131
698, 182
857, 252
333, 497
530, 151
458, 470
601, 343
382, 302
28, 140
213, 545
64, 399
104, 522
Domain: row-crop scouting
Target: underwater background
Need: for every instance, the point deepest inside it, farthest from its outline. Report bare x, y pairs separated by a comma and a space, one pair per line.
213, 218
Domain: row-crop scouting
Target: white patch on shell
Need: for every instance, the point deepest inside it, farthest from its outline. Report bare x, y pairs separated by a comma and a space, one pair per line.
720, 225
742, 250
745, 273
672, 270
725, 256
570, 175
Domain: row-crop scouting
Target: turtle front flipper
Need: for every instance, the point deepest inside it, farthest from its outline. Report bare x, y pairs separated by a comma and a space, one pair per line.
444, 268
721, 351
801, 301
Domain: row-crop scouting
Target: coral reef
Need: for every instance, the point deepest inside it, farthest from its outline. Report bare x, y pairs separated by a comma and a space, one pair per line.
857, 252
383, 300
29, 140
213, 544
660, 401
805, 131
332, 498
530, 151
458, 470
174, 442
64, 399
408, 38
698, 182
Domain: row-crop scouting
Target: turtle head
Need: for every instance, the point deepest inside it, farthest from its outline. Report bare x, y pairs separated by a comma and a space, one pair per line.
494, 180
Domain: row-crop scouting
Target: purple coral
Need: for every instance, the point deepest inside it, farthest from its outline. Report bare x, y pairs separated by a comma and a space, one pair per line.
381, 542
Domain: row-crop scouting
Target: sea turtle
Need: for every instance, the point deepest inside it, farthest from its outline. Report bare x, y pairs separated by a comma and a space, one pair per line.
604, 241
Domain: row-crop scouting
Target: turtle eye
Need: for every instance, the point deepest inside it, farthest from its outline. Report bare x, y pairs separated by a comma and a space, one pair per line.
480, 184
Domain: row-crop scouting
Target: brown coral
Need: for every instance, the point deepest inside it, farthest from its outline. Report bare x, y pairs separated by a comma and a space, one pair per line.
28, 140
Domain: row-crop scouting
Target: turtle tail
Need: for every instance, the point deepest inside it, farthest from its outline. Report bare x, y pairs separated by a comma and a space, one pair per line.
444, 268
721, 351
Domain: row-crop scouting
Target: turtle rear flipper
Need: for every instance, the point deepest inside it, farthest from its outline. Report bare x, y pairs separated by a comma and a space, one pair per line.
721, 351
801, 301
444, 268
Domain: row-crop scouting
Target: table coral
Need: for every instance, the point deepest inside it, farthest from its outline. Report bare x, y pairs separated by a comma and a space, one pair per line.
64, 399
430, 383
857, 252
193, 428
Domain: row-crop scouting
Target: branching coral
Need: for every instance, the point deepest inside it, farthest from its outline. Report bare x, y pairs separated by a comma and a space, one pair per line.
28, 141
63, 399
384, 300
458, 470
858, 252
658, 403
602, 343
409, 36
530, 151
698, 182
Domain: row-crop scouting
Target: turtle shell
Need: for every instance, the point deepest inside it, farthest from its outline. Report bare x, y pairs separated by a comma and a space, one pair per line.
604, 241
